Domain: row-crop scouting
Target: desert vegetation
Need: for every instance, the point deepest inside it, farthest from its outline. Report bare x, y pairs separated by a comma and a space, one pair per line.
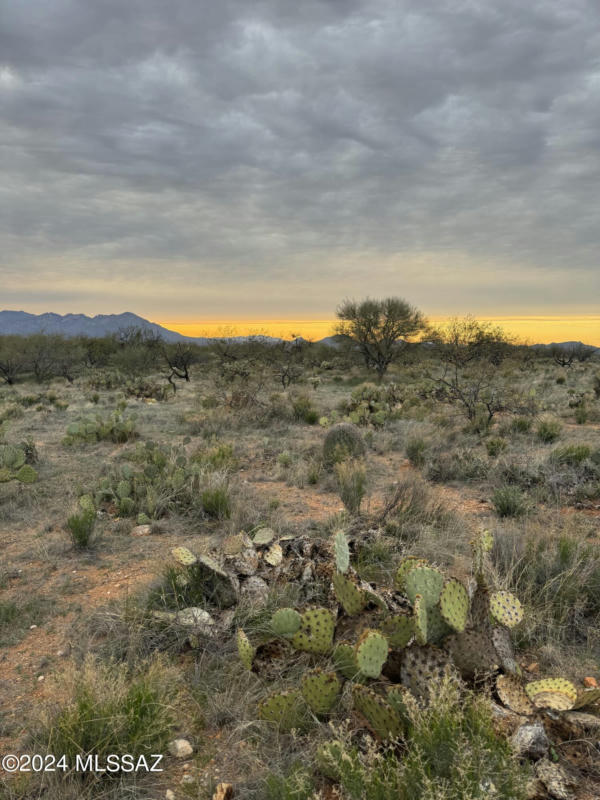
362, 569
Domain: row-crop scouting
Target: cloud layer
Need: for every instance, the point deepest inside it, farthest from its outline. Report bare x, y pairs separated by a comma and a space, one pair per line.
264, 158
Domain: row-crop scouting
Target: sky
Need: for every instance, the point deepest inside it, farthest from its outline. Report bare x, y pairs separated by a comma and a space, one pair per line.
203, 162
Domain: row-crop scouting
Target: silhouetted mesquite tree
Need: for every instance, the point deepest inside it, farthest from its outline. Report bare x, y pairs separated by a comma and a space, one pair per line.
379, 328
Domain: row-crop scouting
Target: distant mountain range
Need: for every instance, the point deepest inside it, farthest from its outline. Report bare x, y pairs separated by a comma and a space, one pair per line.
20, 323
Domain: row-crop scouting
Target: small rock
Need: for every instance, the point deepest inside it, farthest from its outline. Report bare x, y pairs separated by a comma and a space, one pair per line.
169, 794
224, 791
530, 740
583, 721
187, 779
40, 678
141, 530
180, 748
590, 683
32, 627
555, 779
256, 590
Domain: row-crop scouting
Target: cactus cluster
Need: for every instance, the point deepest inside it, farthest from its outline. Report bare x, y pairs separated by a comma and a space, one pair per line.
407, 642
115, 428
14, 466
372, 404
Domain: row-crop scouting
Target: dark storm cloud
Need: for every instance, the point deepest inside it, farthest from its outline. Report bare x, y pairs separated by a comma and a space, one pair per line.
245, 142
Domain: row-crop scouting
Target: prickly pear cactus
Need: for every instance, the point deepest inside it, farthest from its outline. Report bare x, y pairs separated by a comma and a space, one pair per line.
423, 668
349, 596
480, 609
426, 581
317, 627
454, 604
245, 650
183, 556
263, 537
124, 489
506, 609
382, 719
341, 552
587, 697
558, 694
473, 653
320, 690
371, 653
286, 621
26, 474
503, 645
405, 566
285, 709
344, 660
398, 698
512, 694
398, 630
420, 620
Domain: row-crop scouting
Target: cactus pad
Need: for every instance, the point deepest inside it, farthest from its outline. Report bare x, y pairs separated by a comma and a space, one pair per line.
341, 552
274, 555
285, 709
371, 653
454, 604
426, 581
420, 620
286, 621
345, 661
405, 566
506, 609
263, 536
183, 556
245, 650
398, 630
473, 653
320, 690
480, 609
350, 597
587, 697
123, 489
317, 626
397, 698
26, 474
423, 668
512, 695
506, 656
382, 719
557, 694
5, 475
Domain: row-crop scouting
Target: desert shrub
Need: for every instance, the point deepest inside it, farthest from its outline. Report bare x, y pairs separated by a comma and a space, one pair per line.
561, 380
571, 454
351, 479
581, 414
521, 424
216, 497
303, 410
298, 784
495, 446
452, 752
107, 709
508, 501
416, 448
411, 506
146, 389
372, 404
218, 457
81, 528
515, 474
342, 441
548, 430
456, 465
115, 428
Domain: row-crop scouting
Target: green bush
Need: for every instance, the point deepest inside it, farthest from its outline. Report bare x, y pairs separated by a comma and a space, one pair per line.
415, 451
581, 414
508, 501
521, 424
342, 441
303, 410
572, 454
81, 528
114, 428
351, 480
548, 431
495, 446
456, 465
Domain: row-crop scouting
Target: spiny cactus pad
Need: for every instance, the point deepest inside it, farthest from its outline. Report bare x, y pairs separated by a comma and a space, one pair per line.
512, 694
405, 566
345, 661
454, 604
245, 650
285, 709
558, 694
382, 719
286, 621
423, 668
437, 627
26, 474
341, 552
587, 697
320, 690
263, 536
420, 620
506, 609
398, 630
348, 595
480, 609
426, 581
316, 631
183, 556
473, 653
371, 653
274, 555
397, 698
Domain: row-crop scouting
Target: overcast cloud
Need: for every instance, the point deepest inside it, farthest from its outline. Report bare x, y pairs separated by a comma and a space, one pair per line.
203, 159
